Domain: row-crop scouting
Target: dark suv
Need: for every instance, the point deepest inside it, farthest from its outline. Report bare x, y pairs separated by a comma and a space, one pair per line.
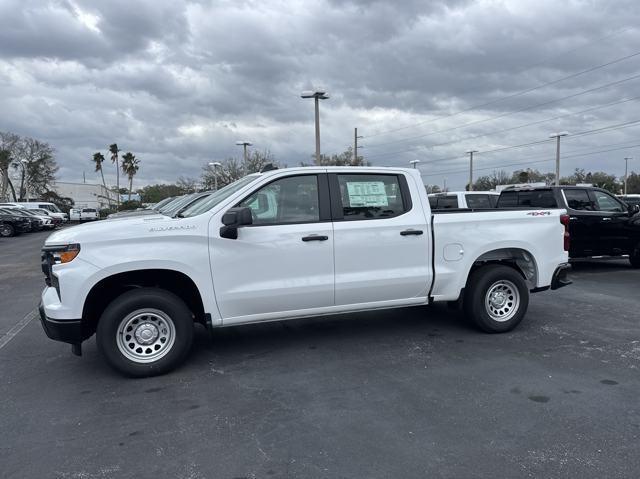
12, 224
599, 223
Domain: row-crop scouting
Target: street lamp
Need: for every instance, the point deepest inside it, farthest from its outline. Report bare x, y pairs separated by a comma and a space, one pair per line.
316, 95
214, 165
557, 136
470, 153
244, 144
413, 163
626, 173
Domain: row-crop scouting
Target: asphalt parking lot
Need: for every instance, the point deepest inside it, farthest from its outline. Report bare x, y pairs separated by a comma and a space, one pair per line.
393, 394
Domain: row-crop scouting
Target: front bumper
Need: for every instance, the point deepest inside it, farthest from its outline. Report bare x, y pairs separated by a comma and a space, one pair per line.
560, 277
67, 331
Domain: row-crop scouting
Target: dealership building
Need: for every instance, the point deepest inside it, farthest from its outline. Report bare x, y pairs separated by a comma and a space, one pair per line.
86, 195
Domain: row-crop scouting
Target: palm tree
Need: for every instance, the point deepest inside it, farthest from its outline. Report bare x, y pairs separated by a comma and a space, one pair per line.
130, 166
98, 159
113, 149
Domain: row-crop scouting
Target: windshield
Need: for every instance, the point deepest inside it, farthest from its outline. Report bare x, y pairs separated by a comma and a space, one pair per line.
217, 197
161, 203
176, 206
171, 203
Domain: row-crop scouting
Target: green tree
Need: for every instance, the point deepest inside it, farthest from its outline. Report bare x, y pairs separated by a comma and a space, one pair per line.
345, 158
633, 183
155, 193
489, 182
98, 159
232, 169
130, 166
113, 149
40, 166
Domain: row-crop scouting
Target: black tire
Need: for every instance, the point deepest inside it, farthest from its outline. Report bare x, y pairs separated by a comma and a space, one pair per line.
510, 296
7, 230
151, 308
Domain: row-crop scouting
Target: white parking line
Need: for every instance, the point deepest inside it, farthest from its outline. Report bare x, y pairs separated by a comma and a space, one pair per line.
12, 333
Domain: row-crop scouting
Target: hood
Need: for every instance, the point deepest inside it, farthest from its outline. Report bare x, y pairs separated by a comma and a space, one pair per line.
121, 228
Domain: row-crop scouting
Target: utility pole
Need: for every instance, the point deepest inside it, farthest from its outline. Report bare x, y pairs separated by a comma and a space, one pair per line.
626, 173
355, 146
470, 153
557, 136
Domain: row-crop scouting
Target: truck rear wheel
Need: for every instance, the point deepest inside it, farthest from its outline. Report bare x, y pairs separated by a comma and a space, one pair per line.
145, 332
496, 298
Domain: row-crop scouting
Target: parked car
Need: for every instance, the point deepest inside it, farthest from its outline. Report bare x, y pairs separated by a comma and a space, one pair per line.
35, 223
83, 214
43, 205
631, 200
55, 220
12, 224
339, 239
463, 199
600, 224
46, 221
154, 210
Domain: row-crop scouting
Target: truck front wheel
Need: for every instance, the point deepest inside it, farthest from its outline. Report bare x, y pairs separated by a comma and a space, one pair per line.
496, 298
145, 332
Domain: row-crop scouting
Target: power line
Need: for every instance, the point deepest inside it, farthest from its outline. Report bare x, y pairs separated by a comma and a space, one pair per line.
584, 92
590, 90
538, 122
604, 129
437, 173
508, 97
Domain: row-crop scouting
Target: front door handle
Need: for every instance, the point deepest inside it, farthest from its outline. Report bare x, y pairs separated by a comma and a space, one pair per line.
606, 219
411, 232
315, 238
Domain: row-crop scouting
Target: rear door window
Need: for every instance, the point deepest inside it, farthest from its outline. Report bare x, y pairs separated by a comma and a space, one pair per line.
366, 197
578, 200
478, 201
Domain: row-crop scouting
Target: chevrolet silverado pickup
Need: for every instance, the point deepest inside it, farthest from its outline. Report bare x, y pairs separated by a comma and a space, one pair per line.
291, 243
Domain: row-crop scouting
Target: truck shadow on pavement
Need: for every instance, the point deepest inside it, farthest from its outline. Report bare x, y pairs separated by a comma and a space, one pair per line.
335, 332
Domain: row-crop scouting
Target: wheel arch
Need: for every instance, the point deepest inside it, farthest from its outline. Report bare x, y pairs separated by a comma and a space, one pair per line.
107, 289
517, 258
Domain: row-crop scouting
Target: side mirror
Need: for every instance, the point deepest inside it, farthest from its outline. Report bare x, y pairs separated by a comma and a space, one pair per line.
233, 219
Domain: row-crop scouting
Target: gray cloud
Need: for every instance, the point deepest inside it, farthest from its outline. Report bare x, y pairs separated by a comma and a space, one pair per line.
177, 83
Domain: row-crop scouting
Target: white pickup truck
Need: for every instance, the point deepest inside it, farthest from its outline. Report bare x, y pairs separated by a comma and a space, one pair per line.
291, 243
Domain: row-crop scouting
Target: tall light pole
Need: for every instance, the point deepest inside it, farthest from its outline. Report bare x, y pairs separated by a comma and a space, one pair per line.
626, 172
557, 136
355, 145
317, 96
214, 165
470, 153
244, 145
413, 163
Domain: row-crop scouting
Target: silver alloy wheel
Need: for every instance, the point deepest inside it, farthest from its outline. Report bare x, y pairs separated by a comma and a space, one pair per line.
502, 300
145, 335
5, 230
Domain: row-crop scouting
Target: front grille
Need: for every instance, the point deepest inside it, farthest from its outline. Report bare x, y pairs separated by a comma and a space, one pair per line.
47, 262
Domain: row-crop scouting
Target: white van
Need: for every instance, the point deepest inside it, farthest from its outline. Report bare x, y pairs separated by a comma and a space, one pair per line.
53, 210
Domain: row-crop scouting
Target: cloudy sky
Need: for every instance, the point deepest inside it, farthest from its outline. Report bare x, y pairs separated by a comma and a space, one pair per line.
177, 83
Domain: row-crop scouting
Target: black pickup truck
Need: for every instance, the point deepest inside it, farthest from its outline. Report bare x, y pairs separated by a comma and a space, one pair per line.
599, 223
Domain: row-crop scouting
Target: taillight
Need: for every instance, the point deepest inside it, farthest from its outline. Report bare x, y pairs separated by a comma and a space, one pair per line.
564, 219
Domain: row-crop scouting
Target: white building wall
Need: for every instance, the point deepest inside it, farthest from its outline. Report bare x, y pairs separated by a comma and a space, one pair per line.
86, 195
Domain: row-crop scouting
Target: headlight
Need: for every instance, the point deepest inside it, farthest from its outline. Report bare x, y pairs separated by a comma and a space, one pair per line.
63, 254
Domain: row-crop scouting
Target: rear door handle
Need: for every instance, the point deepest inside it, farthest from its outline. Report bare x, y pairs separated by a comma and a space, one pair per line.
411, 232
315, 238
